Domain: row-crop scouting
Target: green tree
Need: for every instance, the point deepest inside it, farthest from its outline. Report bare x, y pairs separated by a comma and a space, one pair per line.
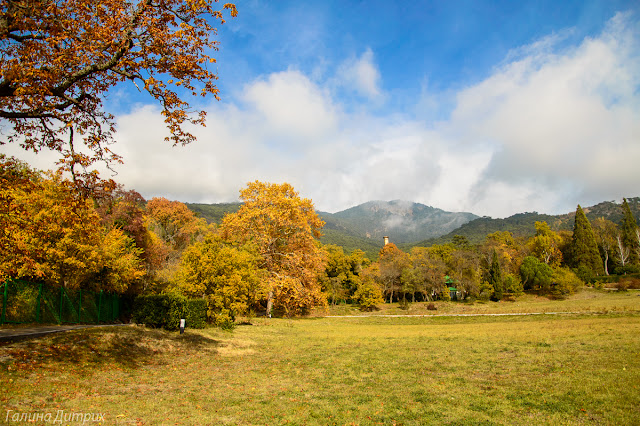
605, 232
585, 257
630, 236
512, 285
536, 275
495, 277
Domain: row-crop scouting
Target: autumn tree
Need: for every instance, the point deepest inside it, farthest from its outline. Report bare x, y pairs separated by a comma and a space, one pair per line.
509, 251
172, 228
226, 275
564, 282
174, 223
392, 262
369, 294
59, 59
428, 270
465, 268
584, 254
285, 228
545, 244
50, 234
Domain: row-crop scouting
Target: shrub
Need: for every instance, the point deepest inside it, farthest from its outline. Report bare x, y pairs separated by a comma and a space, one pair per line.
166, 311
512, 286
369, 296
431, 307
626, 283
564, 282
196, 316
631, 283
404, 304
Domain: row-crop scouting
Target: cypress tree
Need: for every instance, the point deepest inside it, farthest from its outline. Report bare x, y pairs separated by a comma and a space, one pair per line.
495, 277
629, 237
585, 256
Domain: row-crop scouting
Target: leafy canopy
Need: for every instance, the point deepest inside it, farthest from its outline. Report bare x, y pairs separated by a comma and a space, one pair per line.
59, 58
284, 227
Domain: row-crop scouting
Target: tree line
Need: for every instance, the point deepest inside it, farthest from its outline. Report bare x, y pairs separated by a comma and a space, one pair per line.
266, 257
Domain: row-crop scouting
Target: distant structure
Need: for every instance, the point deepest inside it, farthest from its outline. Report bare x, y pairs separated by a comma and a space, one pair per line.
386, 240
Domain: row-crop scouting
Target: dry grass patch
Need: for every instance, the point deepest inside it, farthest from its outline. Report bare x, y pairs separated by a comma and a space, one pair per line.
359, 370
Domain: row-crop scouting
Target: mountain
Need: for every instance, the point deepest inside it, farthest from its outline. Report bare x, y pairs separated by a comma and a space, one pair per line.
411, 224
401, 221
523, 224
213, 213
363, 226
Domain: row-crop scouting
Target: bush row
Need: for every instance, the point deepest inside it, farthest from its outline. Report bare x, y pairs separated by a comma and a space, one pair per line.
166, 310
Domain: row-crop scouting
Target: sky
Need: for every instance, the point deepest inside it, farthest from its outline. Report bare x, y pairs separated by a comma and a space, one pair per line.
489, 107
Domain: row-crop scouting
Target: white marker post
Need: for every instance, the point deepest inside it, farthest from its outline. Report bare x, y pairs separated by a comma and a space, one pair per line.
182, 323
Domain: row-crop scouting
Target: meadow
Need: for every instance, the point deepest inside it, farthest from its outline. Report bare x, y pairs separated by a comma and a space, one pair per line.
580, 368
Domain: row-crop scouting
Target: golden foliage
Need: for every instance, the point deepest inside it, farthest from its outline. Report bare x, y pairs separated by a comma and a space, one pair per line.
283, 227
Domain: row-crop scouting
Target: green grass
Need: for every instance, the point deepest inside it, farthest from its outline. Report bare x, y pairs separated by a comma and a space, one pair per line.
587, 301
552, 369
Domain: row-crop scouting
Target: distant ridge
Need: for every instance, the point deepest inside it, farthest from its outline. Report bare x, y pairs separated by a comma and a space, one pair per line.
410, 224
523, 224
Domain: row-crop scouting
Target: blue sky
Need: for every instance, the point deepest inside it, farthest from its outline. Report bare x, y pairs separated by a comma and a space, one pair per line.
491, 107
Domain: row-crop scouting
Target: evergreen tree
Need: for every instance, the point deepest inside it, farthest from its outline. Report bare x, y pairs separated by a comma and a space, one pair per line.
629, 237
495, 277
585, 256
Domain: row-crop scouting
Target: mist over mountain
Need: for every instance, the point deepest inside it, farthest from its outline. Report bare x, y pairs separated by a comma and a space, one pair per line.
402, 221
409, 224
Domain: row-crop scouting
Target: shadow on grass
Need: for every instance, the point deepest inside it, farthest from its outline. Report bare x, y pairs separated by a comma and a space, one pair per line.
121, 347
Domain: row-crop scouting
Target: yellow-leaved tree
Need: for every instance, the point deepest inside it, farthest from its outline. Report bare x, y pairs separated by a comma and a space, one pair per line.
226, 275
50, 234
284, 228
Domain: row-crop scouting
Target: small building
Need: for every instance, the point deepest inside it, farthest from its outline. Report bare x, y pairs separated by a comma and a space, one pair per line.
454, 294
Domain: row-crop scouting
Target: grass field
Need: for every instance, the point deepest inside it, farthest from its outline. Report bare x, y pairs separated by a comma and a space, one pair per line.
551, 369
587, 300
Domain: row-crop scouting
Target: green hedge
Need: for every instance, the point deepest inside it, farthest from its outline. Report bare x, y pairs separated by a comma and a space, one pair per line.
166, 310
196, 316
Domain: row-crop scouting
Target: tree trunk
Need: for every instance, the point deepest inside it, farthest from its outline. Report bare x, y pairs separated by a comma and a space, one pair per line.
269, 303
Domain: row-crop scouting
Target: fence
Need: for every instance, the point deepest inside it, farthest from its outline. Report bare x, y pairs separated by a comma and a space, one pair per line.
26, 302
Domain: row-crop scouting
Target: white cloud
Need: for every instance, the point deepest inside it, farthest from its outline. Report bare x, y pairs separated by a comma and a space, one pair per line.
548, 130
291, 105
560, 121
361, 75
